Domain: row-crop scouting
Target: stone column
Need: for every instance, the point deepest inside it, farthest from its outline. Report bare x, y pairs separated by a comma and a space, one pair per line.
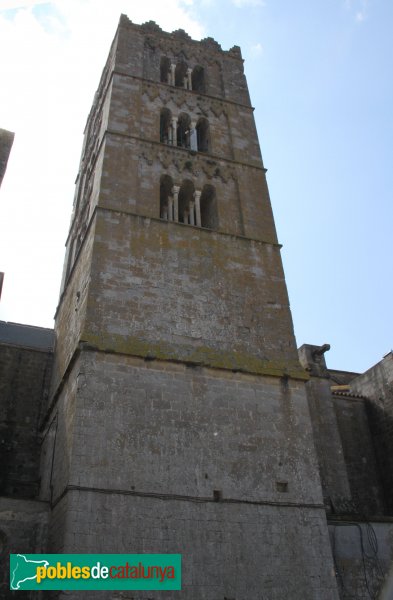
175, 192
192, 212
170, 208
189, 80
197, 198
185, 217
172, 74
174, 131
193, 136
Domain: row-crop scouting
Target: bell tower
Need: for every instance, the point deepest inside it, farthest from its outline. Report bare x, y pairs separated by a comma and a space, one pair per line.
178, 419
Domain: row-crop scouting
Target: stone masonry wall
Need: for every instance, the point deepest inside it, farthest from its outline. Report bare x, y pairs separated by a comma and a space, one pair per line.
179, 416
363, 556
332, 467
180, 292
359, 454
70, 314
219, 466
377, 385
241, 191
134, 141
232, 551
140, 48
148, 426
24, 381
23, 529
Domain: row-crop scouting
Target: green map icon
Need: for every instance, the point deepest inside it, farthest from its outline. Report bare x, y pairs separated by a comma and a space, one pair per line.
23, 569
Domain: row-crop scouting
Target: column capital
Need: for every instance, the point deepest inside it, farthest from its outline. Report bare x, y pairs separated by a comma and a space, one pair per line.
175, 189
197, 194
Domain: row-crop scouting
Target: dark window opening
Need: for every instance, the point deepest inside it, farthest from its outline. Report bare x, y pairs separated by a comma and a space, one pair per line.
183, 131
203, 141
165, 126
165, 197
181, 75
186, 203
209, 208
198, 79
165, 67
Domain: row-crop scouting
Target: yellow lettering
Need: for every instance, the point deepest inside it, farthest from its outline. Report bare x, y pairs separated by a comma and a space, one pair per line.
85, 572
51, 572
76, 572
41, 574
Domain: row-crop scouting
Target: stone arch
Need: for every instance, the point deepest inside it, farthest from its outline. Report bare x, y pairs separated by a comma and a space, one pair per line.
186, 202
165, 69
183, 130
208, 205
166, 126
203, 135
198, 79
181, 74
166, 204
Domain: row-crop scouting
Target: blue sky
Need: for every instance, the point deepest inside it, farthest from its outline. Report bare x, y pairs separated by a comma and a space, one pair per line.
320, 78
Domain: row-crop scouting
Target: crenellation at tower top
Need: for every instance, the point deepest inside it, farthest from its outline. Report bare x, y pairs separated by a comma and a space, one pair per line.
153, 27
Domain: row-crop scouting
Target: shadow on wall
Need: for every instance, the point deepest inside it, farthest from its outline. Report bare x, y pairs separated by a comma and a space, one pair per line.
381, 425
387, 591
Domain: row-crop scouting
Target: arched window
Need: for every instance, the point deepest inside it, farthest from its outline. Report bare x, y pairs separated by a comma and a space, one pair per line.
165, 66
166, 126
209, 207
198, 79
181, 75
166, 201
183, 130
203, 140
186, 203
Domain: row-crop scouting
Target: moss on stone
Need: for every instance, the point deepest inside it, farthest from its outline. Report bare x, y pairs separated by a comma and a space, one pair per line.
203, 355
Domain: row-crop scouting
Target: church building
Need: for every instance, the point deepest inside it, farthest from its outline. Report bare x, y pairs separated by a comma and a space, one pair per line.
170, 410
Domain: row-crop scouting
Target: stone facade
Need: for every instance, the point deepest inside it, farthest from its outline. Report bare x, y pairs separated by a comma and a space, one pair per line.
25, 370
176, 360
355, 480
377, 385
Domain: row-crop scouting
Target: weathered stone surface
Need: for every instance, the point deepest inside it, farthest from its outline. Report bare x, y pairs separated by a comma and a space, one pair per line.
377, 385
363, 555
351, 479
173, 291
179, 417
229, 550
172, 429
25, 369
23, 529
363, 469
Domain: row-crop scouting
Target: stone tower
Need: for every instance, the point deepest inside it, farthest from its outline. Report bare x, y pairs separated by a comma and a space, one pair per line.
178, 419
